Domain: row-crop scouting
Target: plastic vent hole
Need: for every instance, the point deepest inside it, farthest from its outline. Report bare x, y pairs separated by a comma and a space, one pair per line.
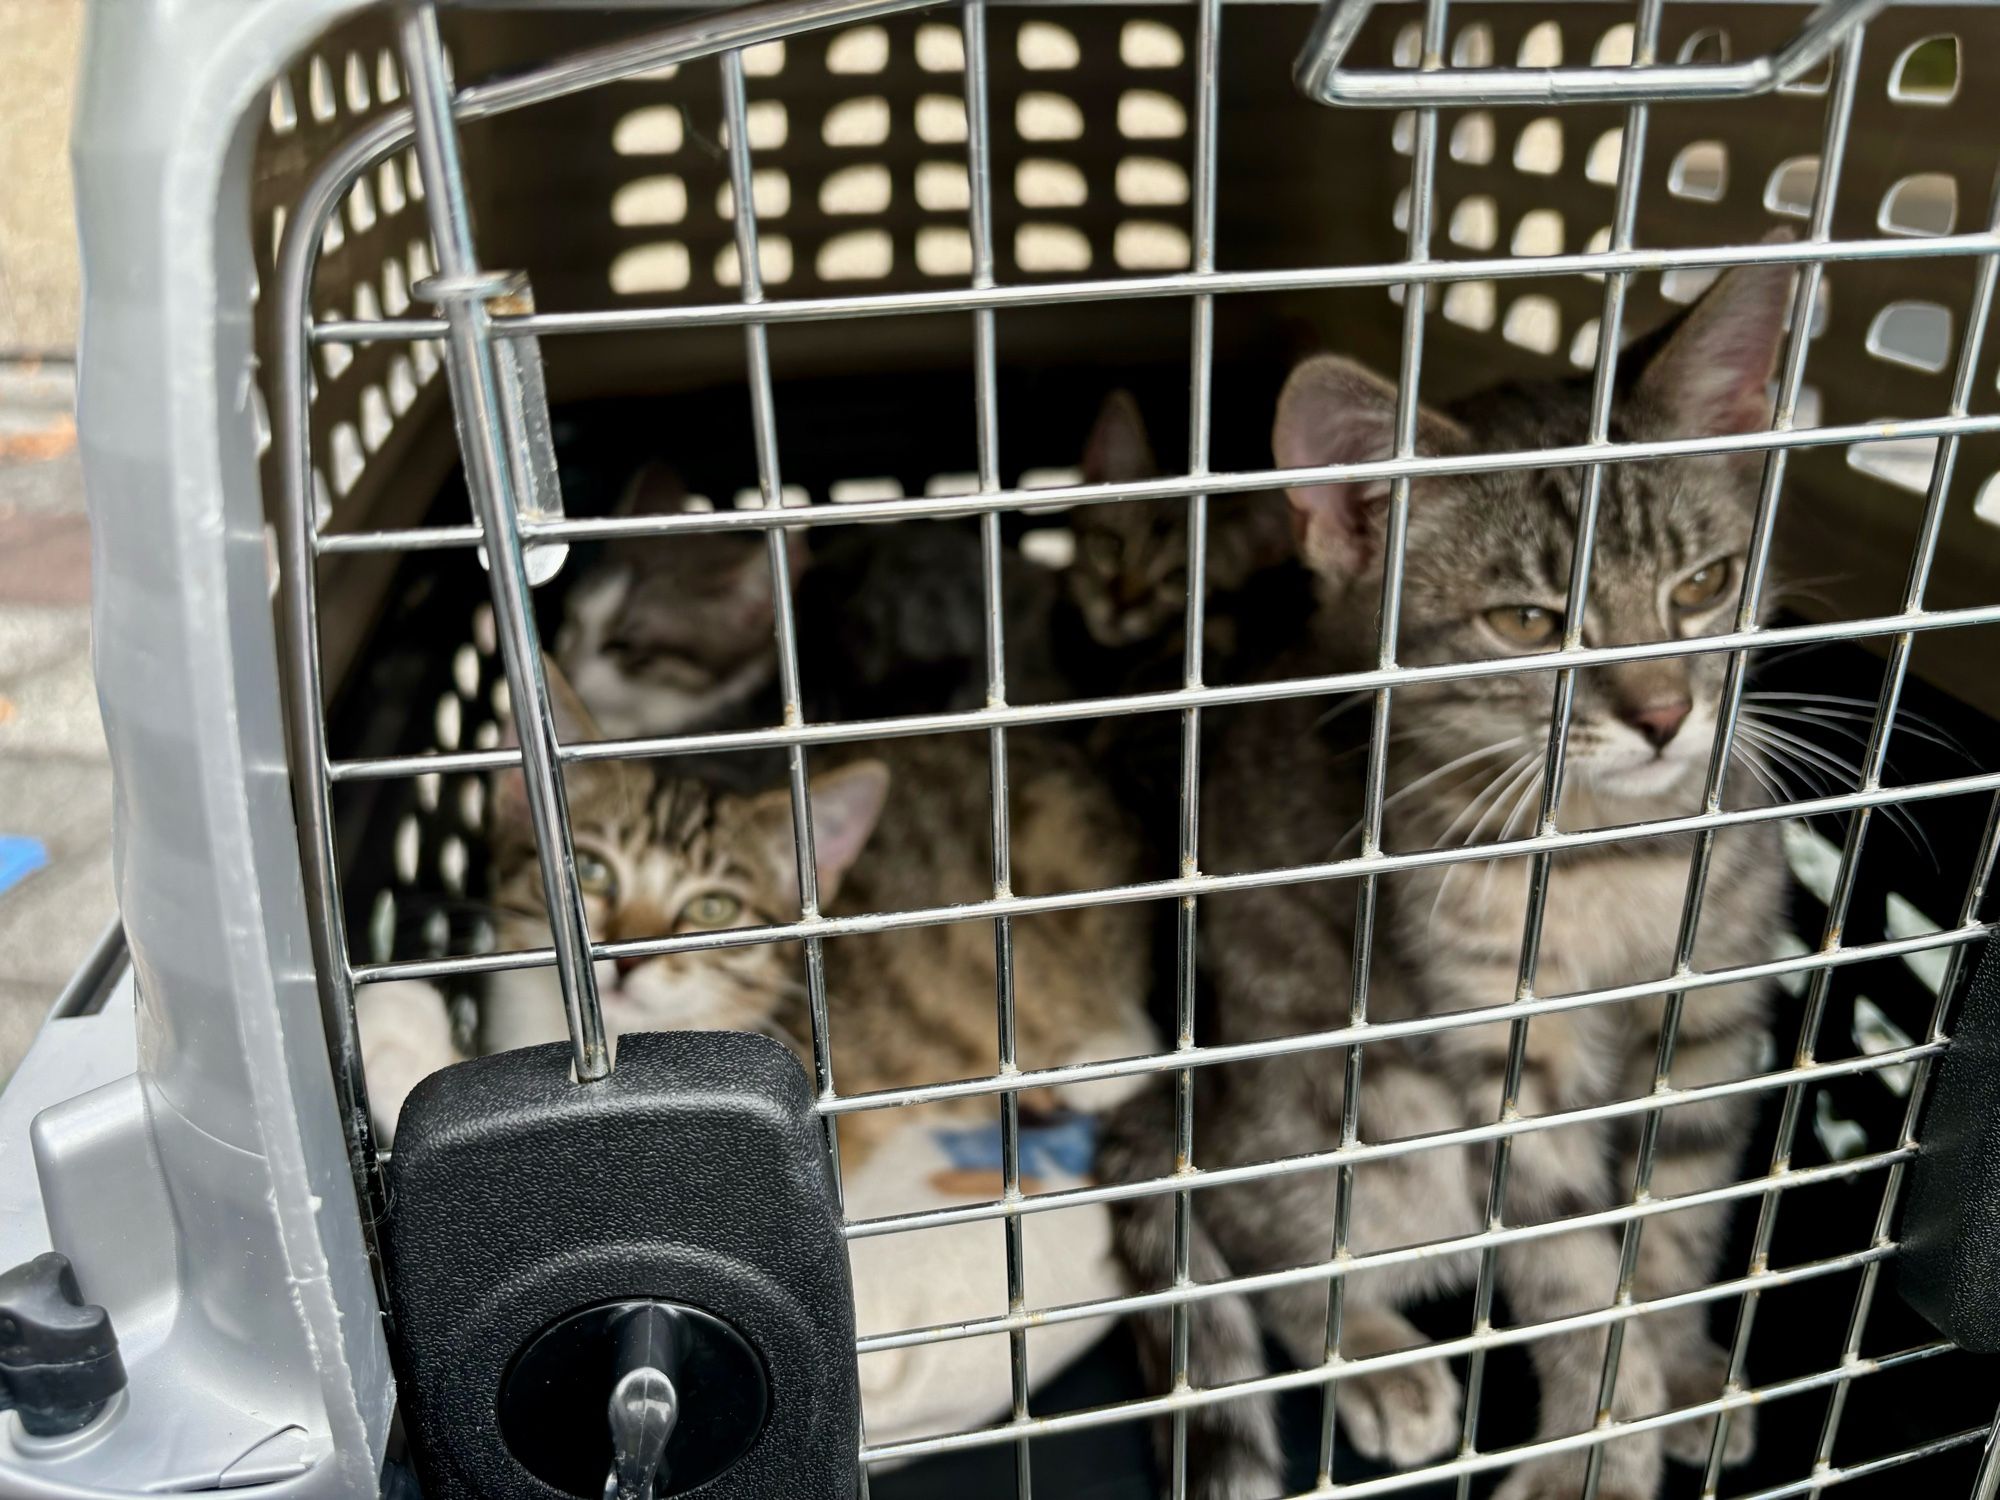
376, 423
1905, 463
277, 231
1539, 151
472, 803
465, 670
485, 639
382, 927
1472, 139
655, 130
1040, 182
413, 176
1540, 232
388, 77
367, 306
452, 861
425, 358
1471, 304
1807, 409
1475, 222
322, 500
941, 119
1403, 134
319, 91
1926, 204
1685, 283
355, 82
1534, 323
944, 251
1149, 115
766, 123
361, 206
333, 237
1583, 348
486, 736
766, 60
389, 187
348, 460
1051, 247
1790, 190
1399, 212
1927, 72
1044, 47
1598, 243
1048, 117
952, 484
770, 195
865, 49
1987, 505
502, 699
1150, 44
774, 262
1473, 47
942, 186
1815, 82
402, 385
1914, 334
854, 190
862, 255
1614, 48
1700, 172
940, 49
418, 260
1601, 166
661, 267
335, 358
409, 841
856, 122
284, 112
1148, 245
1408, 50
1542, 47
1151, 182
429, 784
857, 491
1706, 48
650, 200
1821, 309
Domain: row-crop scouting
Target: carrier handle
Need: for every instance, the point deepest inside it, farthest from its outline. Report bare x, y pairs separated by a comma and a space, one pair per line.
1323, 80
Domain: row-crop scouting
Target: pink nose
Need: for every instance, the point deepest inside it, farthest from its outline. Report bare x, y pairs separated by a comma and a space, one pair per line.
1659, 722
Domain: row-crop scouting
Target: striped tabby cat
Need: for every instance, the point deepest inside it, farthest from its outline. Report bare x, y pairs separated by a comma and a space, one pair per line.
1488, 564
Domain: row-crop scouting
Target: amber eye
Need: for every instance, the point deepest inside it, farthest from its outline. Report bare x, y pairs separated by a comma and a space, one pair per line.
1525, 624
1704, 585
595, 877
711, 909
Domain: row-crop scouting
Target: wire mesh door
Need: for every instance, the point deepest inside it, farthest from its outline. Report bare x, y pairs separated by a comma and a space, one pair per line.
488, 335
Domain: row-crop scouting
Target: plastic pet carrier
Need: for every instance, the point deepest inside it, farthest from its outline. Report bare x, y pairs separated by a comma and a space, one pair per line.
387, 305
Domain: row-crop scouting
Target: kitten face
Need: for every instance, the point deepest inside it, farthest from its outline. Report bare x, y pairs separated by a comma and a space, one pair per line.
1129, 580
669, 634
672, 858
1488, 560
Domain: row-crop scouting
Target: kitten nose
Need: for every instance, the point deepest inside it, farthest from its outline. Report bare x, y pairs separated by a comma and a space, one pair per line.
1659, 722
627, 962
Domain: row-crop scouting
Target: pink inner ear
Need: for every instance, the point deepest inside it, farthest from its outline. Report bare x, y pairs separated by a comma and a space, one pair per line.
846, 807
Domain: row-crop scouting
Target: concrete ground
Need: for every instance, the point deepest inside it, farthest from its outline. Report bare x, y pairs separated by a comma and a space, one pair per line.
55, 781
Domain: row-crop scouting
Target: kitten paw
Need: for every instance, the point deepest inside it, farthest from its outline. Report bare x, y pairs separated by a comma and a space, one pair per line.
1401, 1417
1690, 1382
1562, 1479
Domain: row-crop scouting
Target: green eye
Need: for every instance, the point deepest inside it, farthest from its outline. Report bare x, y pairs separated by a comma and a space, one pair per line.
1524, 624
594, 877
711, 909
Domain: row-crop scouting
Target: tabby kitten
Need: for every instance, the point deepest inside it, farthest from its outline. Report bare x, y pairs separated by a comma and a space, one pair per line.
1488, 565
1129, 577
670, 638
673, 852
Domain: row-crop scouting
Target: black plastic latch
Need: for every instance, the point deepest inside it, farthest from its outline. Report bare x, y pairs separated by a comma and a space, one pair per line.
59, 1362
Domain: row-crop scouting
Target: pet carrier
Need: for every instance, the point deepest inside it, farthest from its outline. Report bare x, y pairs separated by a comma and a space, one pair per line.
384, 305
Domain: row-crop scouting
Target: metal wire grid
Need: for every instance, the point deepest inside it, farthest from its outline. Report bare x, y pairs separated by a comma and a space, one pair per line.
471, 330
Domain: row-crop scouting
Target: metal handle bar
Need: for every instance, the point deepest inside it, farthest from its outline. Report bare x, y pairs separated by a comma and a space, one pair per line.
1321, 77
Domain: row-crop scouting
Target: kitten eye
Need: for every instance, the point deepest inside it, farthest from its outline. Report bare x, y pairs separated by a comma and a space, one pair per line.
1104, 551
711, 909
594, 877
1524, 624
1704, 585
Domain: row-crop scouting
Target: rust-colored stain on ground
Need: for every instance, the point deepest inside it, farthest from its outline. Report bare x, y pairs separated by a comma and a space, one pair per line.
6, 709
53, 441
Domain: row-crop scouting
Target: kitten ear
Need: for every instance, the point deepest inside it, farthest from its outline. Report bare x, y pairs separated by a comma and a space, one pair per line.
1118, 449
655, 490
599, 790
1712, 377
1333, 411
846, 805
